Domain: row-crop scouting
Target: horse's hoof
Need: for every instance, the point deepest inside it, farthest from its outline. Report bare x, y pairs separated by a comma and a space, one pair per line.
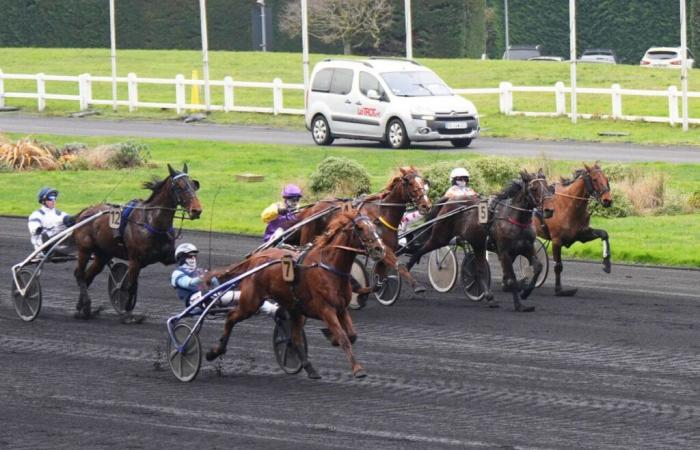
362, 300
211, 355
565, 292
353, 338
606, 266
81, 314
493, 304
521, 308
327, 333
419, 289
311, 372
525, 294
360, 373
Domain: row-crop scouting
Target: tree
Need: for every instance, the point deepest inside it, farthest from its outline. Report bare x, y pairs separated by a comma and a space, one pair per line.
352, 22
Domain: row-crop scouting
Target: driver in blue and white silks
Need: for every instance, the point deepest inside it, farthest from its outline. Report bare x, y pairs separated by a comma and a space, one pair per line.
187, 281
47, 221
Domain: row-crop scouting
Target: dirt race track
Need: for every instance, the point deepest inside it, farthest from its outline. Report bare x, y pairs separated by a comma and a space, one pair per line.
617, 366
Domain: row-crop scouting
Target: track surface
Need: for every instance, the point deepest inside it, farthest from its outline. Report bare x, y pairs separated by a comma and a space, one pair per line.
571, 150
615, 367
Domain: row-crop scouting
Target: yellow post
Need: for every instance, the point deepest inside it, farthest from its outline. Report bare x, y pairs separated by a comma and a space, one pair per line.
195, 89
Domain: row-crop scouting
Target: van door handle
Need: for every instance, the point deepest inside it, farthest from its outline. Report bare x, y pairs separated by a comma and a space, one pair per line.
347, 101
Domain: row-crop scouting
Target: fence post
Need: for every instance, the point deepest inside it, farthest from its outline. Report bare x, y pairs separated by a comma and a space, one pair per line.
40, 92
672, 105
179, 93
228, 94
82, 88
616, 101
506, 98
133, 89
88, 90
2, 90
560, 98
277, 102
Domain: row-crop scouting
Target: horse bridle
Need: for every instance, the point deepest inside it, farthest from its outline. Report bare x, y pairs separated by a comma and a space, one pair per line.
590, 190
407, 182
366, 243
531, 197
178, 192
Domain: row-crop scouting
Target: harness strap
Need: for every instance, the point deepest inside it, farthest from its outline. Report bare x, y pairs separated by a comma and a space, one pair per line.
352, 249
519, 224
387, 224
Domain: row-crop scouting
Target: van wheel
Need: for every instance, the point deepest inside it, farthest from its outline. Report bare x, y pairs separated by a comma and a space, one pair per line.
461, 143
396, 136
320, 131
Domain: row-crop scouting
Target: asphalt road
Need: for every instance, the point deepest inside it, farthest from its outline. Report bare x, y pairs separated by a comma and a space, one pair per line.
615, 367
570, 150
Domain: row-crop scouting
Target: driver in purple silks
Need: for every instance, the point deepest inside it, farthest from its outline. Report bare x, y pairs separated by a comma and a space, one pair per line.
278, 213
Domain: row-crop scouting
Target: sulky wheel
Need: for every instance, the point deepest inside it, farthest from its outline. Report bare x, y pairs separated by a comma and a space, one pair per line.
285, 354
524, 265
185, 360
442, 269
359, 274
387, 286
29, 304
474, 284
118, 288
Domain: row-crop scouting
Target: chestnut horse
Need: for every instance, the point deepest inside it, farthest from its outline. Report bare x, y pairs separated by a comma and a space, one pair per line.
385, 208
572, 220
147, 236
320, 289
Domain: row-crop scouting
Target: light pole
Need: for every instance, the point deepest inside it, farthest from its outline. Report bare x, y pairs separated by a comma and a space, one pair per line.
205, 52
505, 2
262, 23
684, 66
409, 32
113, 53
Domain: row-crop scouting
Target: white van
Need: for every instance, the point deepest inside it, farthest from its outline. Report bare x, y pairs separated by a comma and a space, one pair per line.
387, 100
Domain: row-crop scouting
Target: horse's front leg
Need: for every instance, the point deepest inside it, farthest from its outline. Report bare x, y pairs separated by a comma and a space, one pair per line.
232, 318
84, 279
330, 318
536, 269
592, 233
298, 321
132, 278
558, 268
510, 283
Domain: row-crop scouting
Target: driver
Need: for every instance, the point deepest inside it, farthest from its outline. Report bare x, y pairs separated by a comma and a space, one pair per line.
47, 221
459, 180
187, 280
278, 213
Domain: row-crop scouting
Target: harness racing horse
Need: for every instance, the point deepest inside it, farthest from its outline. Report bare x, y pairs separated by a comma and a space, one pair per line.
146, 237
320, 287
512, 232
385, 209
572, 221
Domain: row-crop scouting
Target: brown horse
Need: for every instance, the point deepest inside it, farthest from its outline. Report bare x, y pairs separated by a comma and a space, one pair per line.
386, 209
147, 236
572, 220
320, 289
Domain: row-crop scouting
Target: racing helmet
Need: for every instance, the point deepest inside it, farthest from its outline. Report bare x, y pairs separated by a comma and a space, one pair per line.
183, 250
291, 191
46, 193
459, 172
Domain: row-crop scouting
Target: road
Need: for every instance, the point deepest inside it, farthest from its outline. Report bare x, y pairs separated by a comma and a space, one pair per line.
617, 366
569, 150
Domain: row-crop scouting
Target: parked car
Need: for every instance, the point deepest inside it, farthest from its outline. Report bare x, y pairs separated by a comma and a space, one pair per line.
523, 52
388, 100
600, 55
665, 57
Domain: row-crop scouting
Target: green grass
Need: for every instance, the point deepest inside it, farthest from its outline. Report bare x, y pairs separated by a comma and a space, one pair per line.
671, 240
458, 73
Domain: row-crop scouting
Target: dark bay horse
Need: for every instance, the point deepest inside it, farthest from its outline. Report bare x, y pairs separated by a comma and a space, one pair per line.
147, 237
572, 220
385, 208
512, 231
320, 289
509, 229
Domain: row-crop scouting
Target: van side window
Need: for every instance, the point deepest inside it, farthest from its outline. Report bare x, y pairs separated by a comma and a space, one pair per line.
342, 81
368, 82
322, 81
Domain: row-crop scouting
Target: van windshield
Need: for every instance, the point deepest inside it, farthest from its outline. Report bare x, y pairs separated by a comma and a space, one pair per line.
415, 84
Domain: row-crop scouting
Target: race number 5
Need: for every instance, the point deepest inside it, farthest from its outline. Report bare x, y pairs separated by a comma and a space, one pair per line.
483, 212
115, 218
287, 268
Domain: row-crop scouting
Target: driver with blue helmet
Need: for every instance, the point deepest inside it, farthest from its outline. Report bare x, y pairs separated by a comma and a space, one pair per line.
47, 221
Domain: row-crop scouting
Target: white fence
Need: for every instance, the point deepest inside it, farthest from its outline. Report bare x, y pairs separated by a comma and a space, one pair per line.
505, 91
